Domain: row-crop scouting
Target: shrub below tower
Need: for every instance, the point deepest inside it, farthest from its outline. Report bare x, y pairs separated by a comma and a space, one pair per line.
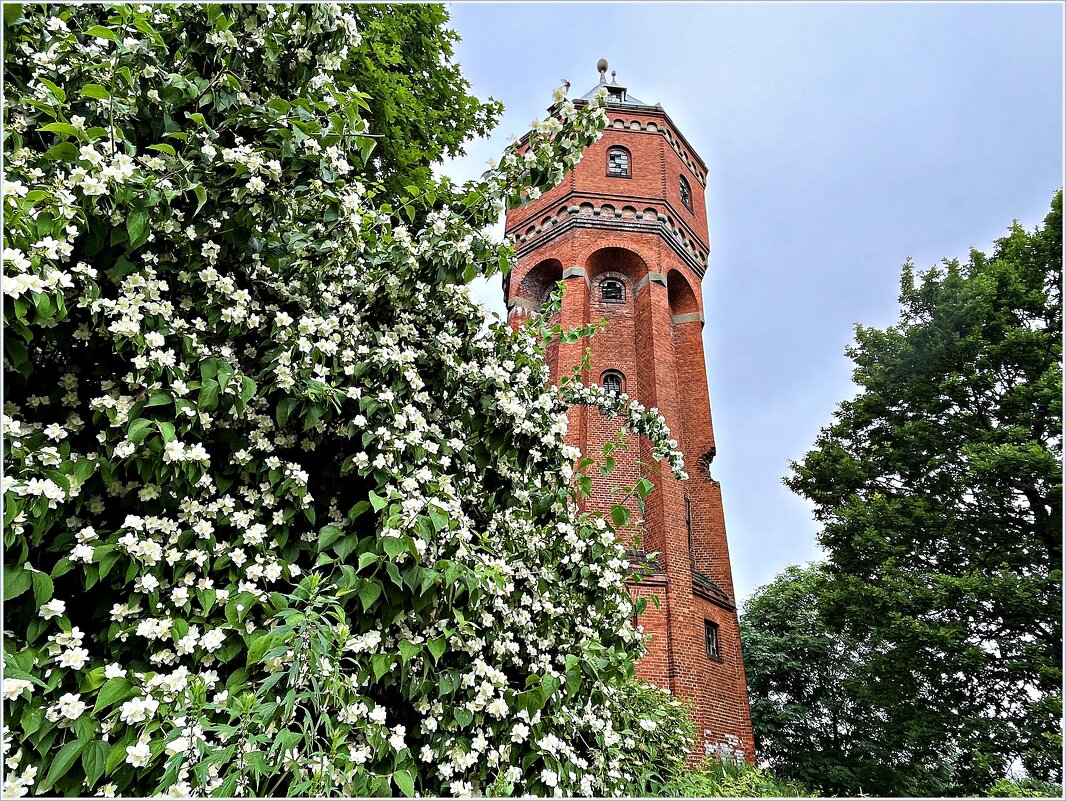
283, 513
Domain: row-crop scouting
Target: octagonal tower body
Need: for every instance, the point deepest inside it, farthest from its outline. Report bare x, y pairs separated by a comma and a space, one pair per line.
631, 246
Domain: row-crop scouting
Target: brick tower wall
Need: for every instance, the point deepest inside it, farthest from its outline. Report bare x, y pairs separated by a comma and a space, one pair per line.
637, 230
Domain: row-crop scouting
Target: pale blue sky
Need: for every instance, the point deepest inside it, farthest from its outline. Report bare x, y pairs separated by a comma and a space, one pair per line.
840, 139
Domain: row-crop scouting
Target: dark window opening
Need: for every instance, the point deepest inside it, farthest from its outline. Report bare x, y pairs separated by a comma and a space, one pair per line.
612, 290
618, 163
612, 383
711, 631
686, 194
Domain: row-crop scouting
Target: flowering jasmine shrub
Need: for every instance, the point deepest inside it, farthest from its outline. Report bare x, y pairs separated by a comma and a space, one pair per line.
283, 513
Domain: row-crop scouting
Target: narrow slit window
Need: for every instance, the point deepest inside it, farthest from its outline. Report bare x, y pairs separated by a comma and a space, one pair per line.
711, 633
618, 163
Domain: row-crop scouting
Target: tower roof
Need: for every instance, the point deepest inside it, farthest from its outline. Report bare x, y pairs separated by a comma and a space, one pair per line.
616, 93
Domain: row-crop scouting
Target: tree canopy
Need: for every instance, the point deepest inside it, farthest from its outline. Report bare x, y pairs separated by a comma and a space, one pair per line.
938, 489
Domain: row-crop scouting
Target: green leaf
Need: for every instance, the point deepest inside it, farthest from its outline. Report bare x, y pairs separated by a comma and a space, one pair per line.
260, 645
368, 558
619, 515
31, 719
464, 717
113, 691
201, 197
285, 407
368, 593
102, 32
117, 754
327, 536
42, 588
138, 430
408, 649
60, 764
93, 761
58, 93
163, 148
377, 501
405, 781
207, 400
166, 430
142, 25
381, 664
437, 646
158, 398
64, 151
60, 128
344, 547
96, 91
394, 546
16, 581
137, 227
248, 389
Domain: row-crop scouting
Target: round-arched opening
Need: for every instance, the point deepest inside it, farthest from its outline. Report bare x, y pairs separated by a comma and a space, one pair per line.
540, 281
682, 298
617, 260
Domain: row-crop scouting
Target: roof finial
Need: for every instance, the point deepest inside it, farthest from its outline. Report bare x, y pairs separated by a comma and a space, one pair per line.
566, 85
614, 77
601, 65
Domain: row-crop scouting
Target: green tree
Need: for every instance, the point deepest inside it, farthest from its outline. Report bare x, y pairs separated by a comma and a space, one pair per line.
817, 714
419, 101
939, 493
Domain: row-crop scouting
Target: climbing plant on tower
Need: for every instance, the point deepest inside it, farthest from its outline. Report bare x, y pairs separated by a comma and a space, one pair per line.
285, 513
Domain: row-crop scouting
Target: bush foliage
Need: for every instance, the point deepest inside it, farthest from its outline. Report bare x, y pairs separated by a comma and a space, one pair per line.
284, 512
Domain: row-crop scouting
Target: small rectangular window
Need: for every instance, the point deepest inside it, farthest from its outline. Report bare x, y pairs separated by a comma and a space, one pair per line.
711, 631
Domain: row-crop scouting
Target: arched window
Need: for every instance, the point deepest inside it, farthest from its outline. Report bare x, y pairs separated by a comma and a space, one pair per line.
612, 382
618, 162
686, 193
612, 290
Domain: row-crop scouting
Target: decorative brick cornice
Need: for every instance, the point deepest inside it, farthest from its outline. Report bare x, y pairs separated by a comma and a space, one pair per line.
527, 244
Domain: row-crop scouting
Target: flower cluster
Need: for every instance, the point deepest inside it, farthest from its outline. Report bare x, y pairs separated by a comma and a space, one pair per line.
285, 513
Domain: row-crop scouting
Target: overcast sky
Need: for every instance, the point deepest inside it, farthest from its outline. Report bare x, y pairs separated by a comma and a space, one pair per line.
840, 139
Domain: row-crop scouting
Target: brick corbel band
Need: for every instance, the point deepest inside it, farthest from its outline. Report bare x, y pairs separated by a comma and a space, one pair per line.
691, 317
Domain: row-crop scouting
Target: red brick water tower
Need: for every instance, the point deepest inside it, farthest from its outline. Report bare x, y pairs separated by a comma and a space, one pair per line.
626, 233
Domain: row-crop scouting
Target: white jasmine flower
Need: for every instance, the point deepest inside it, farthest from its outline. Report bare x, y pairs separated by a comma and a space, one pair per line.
138, 755
54, 608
